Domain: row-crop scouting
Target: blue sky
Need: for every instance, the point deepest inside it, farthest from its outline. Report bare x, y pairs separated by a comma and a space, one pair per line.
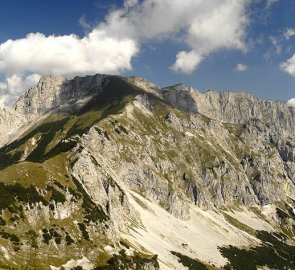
233, 45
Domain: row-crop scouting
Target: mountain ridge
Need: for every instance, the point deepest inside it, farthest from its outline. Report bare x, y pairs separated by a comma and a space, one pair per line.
24, 109
130, 176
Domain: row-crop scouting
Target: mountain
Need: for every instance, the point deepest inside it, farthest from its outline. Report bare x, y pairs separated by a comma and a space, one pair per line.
107, 172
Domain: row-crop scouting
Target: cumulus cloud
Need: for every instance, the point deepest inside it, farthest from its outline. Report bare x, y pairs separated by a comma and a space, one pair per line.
130, 3
67, 55
17, 84
14, 86
291, 102
202, 26
186, 62
241, 67
289, 66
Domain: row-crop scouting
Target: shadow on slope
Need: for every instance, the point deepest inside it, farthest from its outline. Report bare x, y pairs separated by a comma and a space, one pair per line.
116, 94
274, 253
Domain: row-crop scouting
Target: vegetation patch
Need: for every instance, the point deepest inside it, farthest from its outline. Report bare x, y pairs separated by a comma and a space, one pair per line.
121, 262
7, 159
77, 268
51, 234
258, 213
239, 225
236, 129
33, 238
274, 253
6, 199
205, 118
10, 236
11, 194
92, 211
191, 264
24, 173
56, 195
48, 131
83, 229
286, 217
69, 239
13, 238
2, 222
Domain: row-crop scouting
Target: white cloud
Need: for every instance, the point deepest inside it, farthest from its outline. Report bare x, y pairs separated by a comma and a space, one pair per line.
291, 102
289, 66
130, 3
3, 95
14, 86
17, 84
241, 67
3, 86
67, 55
3, 101
290, 32
186, 62
202, 26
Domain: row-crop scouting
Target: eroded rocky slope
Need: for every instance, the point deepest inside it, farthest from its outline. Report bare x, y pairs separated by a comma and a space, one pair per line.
105, 172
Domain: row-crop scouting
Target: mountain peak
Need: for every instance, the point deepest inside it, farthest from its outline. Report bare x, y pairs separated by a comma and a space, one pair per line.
182, 97
50, 78
48, 82
38, 97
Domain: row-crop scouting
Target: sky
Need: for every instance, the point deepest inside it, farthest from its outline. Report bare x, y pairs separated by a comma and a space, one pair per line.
235, 45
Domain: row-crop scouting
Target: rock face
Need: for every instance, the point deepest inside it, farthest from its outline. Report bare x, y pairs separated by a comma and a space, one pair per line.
240, 107
231, 107
51, 93
114, 172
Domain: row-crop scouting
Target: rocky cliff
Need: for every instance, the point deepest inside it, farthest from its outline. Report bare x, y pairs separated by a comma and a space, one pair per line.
119, 174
